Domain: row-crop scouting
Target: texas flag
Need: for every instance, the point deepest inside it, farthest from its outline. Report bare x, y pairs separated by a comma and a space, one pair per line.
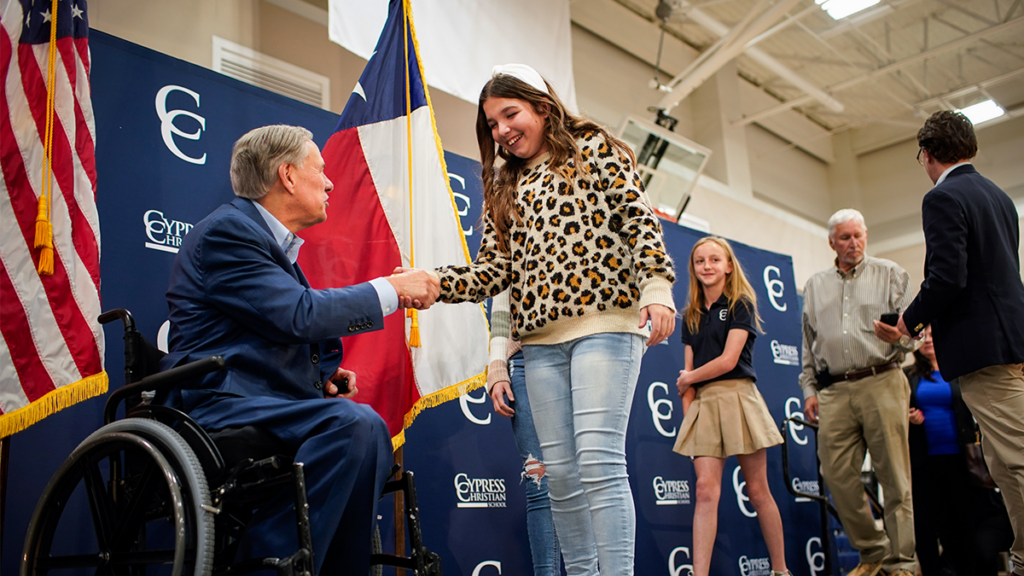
392, 206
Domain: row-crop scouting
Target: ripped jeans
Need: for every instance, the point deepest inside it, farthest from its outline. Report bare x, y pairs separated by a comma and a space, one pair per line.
581, 392
541, 530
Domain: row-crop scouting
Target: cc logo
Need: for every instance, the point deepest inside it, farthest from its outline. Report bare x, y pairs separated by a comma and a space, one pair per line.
167, 128
775, 287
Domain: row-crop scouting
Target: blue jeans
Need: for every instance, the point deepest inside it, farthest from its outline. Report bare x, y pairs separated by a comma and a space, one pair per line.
543, 543
581, 393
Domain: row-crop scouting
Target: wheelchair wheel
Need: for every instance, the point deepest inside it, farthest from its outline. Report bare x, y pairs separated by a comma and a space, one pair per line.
139, 487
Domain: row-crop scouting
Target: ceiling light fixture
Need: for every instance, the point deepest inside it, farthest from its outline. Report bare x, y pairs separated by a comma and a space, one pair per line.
982, 112
838, 9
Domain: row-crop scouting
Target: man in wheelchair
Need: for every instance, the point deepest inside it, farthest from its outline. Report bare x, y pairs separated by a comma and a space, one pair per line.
236, 291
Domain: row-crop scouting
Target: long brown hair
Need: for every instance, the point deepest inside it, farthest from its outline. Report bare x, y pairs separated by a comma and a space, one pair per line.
561, 130
736, 287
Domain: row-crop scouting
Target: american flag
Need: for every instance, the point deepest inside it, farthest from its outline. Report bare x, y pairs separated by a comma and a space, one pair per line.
51, 345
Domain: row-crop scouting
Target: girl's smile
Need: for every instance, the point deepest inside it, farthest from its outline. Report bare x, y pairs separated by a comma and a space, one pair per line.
711, 264
516, 126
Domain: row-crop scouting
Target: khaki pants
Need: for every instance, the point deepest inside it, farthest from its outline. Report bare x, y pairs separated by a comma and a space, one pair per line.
995, 396
870, 414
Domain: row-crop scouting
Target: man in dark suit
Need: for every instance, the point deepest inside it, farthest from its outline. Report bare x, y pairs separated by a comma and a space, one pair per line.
973, 298
236, 291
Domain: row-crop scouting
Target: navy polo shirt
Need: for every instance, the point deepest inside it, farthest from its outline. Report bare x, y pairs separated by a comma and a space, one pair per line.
709, 342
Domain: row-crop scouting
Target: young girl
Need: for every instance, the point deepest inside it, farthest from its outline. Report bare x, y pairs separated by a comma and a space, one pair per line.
569, 230
728, 415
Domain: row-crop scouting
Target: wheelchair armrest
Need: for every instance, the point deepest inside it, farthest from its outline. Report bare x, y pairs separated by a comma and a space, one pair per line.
118, 314
161, 381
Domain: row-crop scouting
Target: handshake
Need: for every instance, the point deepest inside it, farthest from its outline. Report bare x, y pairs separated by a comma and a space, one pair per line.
416, 288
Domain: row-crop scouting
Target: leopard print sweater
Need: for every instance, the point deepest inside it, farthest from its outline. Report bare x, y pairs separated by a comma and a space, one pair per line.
587, 256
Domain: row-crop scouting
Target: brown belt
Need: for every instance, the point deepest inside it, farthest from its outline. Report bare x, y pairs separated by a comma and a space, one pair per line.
851, 375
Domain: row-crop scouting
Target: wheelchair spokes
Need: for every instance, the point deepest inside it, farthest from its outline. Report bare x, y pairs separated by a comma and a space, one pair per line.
145, 518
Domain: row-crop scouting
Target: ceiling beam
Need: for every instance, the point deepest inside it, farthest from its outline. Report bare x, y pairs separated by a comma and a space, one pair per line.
887, 69
783, 25
869, 15
719, 29
967, 90
724, 50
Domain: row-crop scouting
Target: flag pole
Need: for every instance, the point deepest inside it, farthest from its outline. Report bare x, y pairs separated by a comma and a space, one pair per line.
414, 330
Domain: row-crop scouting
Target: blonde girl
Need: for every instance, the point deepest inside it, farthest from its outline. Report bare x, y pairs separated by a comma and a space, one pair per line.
727, 416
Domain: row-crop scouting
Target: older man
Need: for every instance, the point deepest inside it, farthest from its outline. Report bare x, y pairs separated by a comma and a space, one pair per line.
237, 291
973, 297
852, 383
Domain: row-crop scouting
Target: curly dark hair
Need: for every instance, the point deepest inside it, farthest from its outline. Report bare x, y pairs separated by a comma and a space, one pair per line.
922, 366
948, 137
561, 130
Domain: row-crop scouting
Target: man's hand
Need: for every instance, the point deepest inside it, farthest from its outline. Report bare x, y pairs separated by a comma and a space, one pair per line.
902, 327
498, 393
663, 322
811, 409
341, 385
886, 333
416, 288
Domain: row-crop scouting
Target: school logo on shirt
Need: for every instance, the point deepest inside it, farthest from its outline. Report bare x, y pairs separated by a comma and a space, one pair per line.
165, 234
671, 492
479, 492
785, 354
723, 314
755, 566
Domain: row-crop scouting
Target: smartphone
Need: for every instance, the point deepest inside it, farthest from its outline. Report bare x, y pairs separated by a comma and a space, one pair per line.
890, 318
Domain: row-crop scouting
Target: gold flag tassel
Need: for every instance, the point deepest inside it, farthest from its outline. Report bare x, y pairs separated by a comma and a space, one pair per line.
414, 329
44, 239
44, 227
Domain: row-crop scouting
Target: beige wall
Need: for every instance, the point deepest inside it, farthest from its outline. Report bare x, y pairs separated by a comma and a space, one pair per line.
765, 227
611, 84
788, 176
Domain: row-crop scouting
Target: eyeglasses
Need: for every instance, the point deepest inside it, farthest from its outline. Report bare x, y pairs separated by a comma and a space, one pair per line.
919, 150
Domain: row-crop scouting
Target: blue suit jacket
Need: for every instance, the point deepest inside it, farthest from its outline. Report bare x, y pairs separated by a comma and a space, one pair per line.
233, 292
972, 293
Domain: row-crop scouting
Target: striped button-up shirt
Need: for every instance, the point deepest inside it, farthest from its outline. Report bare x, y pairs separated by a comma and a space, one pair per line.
839, 308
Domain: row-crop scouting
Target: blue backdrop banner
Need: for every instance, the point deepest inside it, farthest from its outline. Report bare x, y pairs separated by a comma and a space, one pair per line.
165, 129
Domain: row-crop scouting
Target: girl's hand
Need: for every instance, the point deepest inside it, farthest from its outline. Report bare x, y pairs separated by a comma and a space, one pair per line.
498, 393
916, 416
684, 381
663, 322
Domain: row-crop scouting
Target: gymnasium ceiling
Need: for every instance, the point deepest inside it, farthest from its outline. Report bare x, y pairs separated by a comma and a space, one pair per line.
888, 66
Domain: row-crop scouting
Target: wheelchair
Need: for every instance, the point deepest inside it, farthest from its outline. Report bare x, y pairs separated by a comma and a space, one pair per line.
163, 496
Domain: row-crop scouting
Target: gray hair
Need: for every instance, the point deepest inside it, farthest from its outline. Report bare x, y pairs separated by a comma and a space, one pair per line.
258, 154
842, 217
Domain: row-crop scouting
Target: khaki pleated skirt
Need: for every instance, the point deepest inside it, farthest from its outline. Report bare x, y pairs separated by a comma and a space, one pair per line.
727, 417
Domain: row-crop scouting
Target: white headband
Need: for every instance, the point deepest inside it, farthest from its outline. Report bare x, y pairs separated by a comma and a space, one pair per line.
521, 72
